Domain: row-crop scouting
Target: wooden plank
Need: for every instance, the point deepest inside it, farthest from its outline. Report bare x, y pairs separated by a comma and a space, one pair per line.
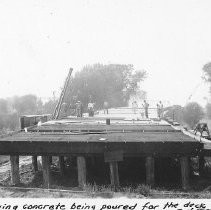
61, 165
114, 174
104, 126
150, 171
46, 171
81, 166
15, 177
65, 148
185, 172
34, 163
113, 156
111, 137
100, 127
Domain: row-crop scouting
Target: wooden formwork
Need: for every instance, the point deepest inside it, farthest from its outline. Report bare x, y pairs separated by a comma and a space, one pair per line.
86, 138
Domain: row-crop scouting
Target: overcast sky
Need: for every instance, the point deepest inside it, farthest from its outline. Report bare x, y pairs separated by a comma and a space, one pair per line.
40, 40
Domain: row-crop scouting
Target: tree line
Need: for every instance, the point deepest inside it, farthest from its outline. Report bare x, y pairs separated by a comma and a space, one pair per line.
113, 83
12, 108
189, 115
192, 113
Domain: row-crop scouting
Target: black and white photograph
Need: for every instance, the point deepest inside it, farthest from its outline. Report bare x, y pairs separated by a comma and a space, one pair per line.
105, 99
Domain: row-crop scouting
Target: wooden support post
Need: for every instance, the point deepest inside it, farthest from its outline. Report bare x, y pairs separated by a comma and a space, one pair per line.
185, 172
201, 165
15, 177
114, 174
81, 165
39, 163
46, 171
50, 160
61, 165
34, 163
150, 171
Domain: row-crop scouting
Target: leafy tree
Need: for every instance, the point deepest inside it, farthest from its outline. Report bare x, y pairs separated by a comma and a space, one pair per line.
27, 104
175, 112
192, 114
39, 106
139, 96
49, 106
114, 83
3, 106
208, 110
9, 121
207, 73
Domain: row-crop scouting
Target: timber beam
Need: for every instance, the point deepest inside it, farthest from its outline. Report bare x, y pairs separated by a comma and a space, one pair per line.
201, 165
34, 163
150, 170
46, 171
185, 172
61, 165
81, 166
114, 174
80, 148
15, 177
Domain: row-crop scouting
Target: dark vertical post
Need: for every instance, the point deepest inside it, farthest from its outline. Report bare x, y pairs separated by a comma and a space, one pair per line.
46, 171
185, 172
34, 163
15, 177
108, 121
50, 160
150, 170
201, 165
61, 165
114, 174
81, 165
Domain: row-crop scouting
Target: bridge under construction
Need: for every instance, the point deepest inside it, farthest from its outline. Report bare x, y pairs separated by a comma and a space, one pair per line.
112, 137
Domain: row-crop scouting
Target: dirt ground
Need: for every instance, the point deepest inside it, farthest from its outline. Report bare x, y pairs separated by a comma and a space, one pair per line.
31, 186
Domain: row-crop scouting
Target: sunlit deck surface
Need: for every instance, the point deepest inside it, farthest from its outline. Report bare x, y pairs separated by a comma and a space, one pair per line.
130, 133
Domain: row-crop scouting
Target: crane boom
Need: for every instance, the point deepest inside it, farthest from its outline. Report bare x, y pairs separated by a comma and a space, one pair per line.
61, 98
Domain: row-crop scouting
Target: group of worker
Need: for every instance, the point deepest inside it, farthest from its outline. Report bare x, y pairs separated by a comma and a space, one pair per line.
145, 106
76, 108
79, 109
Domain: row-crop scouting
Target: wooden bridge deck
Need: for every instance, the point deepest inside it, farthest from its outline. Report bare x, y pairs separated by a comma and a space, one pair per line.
135, 144
84, 137
94, 136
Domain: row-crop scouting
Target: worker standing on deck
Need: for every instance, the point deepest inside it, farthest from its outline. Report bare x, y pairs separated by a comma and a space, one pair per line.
160, 110
79, 109
146, 109
91, 108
